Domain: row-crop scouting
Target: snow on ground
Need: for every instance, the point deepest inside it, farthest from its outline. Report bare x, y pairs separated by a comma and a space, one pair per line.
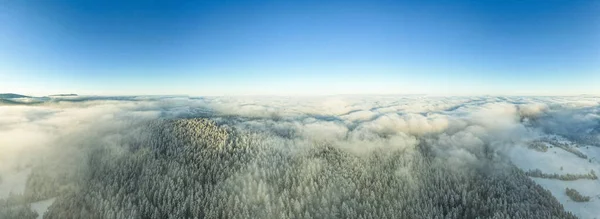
41, 206
590, 188
13, 183
551, 162
592, 152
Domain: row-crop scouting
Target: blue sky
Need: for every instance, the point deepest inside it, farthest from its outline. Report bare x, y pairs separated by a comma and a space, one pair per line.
549, 47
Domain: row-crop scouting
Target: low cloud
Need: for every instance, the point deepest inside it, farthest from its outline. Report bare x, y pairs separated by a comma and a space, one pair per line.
460, 131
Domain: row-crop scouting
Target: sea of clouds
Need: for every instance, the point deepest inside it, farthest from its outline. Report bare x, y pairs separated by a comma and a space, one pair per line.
459, 128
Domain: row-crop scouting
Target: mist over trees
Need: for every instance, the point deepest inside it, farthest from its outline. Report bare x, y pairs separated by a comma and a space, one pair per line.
200, 159
12, 210
197, 169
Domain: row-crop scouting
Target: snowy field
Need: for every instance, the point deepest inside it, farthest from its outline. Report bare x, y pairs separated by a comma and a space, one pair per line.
584, 210
551, 162
41, 206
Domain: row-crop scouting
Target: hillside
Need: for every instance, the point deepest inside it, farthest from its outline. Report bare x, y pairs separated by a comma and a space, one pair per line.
12, 95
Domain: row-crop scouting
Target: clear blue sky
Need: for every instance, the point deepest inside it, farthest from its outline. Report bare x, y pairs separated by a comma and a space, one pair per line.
300, 47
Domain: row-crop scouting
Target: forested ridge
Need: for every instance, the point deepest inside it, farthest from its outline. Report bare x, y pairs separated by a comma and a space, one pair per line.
194, 168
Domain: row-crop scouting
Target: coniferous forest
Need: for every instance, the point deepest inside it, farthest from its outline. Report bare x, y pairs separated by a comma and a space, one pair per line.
205, 163
195, 168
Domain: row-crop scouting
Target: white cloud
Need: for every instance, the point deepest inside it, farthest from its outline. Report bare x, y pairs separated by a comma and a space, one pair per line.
459, 129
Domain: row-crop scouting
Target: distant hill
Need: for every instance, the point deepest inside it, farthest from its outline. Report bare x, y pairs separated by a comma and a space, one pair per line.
11, 95
16, 101
63, 95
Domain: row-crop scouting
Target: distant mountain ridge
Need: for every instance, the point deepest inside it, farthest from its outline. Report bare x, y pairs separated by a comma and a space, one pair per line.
19, 99
12, 95
63, 95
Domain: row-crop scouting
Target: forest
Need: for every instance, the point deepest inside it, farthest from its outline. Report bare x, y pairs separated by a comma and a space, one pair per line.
188, 160
195, 168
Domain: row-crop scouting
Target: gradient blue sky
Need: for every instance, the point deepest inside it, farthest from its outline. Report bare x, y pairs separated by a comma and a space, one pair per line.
546, 47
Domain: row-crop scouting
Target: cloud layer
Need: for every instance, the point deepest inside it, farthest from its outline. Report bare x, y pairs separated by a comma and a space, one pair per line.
460, 131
